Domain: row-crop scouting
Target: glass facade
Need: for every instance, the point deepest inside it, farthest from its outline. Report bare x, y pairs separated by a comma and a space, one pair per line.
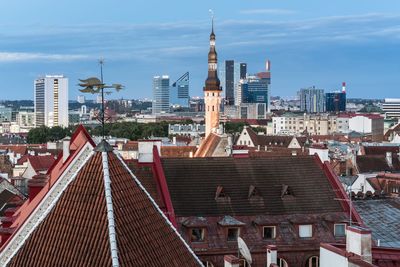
160, 94
335, 102
312, 100
179, 91
5, 114
255, 90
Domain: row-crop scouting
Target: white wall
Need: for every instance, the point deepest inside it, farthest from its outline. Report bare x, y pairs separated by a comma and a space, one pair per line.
328, 258
323, 153
244, 139
360, 124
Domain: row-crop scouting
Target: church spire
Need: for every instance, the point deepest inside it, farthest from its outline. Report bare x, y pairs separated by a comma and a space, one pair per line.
212, 82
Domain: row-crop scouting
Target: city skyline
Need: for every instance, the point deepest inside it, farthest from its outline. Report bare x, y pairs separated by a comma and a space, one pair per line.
307, 45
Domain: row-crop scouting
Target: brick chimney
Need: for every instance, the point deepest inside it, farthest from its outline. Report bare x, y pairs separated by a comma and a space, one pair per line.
358, 241
389, 159
36, 184
231, 261
272, 258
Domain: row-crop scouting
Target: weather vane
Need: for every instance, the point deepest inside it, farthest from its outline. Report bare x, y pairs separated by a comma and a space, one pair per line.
95, 85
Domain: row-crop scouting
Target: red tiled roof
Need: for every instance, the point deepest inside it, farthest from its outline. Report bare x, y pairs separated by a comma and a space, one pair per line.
177, 151
208, 146
41, 163
131, 146
380, 150
17, 149
75, 232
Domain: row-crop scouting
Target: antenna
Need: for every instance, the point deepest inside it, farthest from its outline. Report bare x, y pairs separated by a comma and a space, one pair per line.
244, 250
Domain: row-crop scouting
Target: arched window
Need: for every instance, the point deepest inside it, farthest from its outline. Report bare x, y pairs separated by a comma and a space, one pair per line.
282, 263
212, 108
313, 261
208, 108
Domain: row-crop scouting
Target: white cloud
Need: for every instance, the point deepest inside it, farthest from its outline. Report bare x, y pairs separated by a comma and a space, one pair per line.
21, 56
267, 11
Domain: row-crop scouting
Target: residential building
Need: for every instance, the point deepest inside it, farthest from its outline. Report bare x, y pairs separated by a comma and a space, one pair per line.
391, 107
312, 100
192, 130
51, 101
258, 199
26, 119
291, 124
179, 92
372, 124
254, 111
160, 94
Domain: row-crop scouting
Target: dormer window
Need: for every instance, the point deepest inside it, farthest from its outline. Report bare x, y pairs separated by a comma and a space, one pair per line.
253, 191
197, 235
269, 232
232, 234
220, 193
286, 192
340, 229
305, 231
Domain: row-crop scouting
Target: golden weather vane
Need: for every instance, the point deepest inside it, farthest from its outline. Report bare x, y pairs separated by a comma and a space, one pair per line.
94, 85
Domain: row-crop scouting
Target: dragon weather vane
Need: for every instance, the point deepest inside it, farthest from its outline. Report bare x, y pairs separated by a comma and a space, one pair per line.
95, 85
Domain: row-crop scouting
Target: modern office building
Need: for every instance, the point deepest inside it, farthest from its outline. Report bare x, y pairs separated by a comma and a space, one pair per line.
312, 100
51, 101
179, 91
255, 89
335, 102
231, 73
391, 107
243, 70
5, 114
160, 94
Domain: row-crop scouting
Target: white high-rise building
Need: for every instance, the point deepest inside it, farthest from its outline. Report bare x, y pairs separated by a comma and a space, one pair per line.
51, 101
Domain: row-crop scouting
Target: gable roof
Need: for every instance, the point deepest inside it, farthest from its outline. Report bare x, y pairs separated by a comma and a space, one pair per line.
102, 216
273, 140
17, 149
376, 163
196, 180
41, 163
208, 146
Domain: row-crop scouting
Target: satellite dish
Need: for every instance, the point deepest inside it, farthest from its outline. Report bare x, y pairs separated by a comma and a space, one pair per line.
244, 250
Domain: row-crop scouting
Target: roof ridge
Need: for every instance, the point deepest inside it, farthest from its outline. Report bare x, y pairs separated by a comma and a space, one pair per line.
110, 210
44, 207
139, 184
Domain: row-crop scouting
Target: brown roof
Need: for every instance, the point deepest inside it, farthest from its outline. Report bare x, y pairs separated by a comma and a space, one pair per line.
75, 232
380, 150
305, 180
130, 146
273, 140
178, 151
376, 163
208, 146
17, 149
41, 163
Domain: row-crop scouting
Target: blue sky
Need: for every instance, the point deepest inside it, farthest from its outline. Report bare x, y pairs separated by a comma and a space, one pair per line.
319, 43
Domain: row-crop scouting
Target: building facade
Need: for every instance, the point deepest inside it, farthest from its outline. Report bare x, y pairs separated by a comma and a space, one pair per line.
335, 102
293, 124
391, 107
5, 114
312, 100
179, 91
160, 94
51, 101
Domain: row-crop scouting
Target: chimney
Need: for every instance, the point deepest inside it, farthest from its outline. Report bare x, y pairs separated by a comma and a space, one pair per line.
358, 241
145, 150
36, 184
65, 143
231, 261
389, 159
272, 257
174, 140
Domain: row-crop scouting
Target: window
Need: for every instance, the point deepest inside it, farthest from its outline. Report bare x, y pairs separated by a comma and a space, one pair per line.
233, 234
340, 229
197, 235
305, 230
208, 264
269, 232
313, 262
282, 263
243, 263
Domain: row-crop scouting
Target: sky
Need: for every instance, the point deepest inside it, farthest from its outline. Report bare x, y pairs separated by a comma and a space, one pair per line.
313, 42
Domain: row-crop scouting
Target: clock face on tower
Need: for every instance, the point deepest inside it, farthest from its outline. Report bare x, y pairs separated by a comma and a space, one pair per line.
212, 43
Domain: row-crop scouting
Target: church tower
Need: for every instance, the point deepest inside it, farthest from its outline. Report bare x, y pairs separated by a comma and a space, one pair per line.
212, 89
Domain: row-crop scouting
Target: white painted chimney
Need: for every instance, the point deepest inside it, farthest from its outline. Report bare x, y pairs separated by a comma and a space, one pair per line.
358, 241
174, 140
272, 255
389, 159
66, 143
231, 261
145, 150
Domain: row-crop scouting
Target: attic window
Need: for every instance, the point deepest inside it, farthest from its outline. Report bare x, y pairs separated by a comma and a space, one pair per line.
220, 193
253, 191
286, 192
197, 235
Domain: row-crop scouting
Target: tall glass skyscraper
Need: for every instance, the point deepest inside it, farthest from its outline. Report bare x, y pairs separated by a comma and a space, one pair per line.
160, 94
335, 102
255, 90
312, 100
51, 101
